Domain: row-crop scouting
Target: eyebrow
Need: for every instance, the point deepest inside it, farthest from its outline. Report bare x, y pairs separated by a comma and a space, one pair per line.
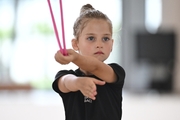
95, 34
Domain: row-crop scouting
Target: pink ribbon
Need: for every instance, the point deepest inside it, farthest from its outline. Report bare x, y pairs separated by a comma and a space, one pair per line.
64, 52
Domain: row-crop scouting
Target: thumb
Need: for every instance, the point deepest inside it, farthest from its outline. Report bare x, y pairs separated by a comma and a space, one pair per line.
99, 82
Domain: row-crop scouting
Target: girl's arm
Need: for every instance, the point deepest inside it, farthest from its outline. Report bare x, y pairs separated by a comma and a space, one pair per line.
86, 85
88, 64
96, 67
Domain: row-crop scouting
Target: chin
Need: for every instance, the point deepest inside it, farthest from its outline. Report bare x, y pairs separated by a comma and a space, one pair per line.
101, 59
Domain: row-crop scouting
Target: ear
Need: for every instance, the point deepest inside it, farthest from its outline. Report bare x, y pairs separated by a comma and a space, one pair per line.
112, 44
74, 43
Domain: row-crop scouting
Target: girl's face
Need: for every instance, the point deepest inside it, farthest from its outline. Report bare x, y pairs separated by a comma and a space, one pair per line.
95, 40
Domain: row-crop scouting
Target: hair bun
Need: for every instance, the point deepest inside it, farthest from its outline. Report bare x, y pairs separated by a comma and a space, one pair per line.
86, 7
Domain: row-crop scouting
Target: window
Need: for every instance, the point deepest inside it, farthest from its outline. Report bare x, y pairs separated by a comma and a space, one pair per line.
153, 15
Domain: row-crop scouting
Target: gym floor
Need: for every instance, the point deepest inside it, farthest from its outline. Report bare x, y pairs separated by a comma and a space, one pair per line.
47, 105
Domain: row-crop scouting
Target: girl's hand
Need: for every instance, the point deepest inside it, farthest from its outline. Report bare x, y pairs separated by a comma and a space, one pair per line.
87, 86
66, 59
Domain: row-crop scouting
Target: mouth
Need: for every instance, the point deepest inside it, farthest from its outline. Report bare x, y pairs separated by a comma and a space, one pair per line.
99, 53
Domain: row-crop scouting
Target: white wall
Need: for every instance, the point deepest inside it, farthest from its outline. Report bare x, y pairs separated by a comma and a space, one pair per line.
171, 20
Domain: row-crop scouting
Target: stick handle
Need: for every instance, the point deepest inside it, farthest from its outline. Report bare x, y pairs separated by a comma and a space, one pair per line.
62, 25
54, 25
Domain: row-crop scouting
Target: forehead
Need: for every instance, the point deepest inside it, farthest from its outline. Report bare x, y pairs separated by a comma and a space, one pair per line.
97, 25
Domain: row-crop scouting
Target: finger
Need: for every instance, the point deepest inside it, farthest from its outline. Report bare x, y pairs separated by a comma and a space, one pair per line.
92, 96
98, 82
61, 51
89, 95
56, 57
93, 92
58, 53
93, 87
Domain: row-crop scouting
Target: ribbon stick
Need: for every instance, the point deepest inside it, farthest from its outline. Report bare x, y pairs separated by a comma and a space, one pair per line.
62, 25
55, 27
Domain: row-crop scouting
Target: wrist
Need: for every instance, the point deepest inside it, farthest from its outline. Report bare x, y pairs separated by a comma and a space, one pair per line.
76, 57
78, 83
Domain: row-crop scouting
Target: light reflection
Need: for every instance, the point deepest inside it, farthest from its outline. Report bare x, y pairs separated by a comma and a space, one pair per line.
153, 16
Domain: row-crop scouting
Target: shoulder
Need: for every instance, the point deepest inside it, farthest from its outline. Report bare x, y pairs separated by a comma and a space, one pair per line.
63, 72
119, 71
58, 75
118, 68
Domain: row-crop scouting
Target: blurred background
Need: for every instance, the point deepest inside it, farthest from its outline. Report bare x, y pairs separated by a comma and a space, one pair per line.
147, 46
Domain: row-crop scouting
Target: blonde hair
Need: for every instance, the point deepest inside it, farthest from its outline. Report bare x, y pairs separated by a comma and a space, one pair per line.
87, 13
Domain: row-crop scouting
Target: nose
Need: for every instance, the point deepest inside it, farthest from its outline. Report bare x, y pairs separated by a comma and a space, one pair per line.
99, 44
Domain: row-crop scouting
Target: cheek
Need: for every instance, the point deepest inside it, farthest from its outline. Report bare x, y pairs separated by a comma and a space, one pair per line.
85, 49
109, 47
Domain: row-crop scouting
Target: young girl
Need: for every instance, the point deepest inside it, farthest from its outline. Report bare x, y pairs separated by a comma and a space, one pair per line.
94, 91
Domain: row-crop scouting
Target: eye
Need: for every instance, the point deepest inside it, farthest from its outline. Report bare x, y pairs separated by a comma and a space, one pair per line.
91, 38
106, 38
